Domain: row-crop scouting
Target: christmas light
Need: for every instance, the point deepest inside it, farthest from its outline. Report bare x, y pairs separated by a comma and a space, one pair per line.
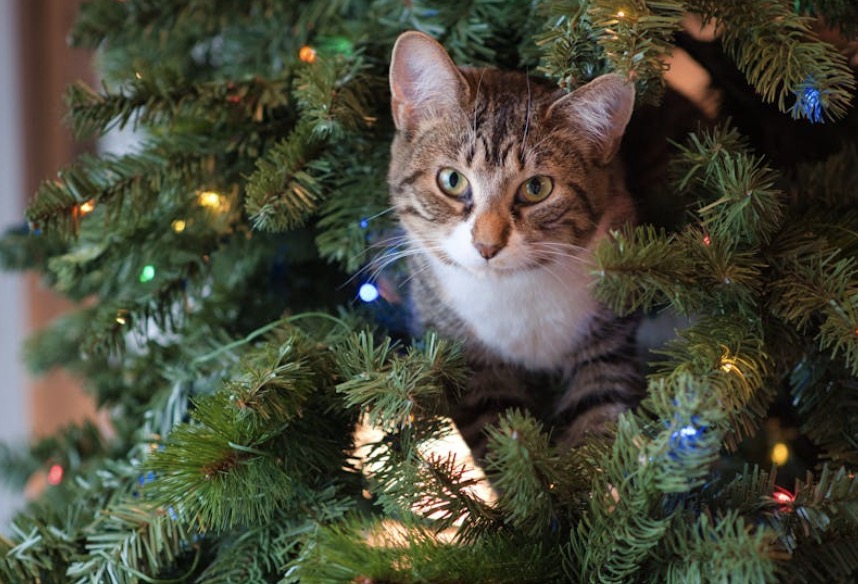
368, 292
121, 320
210, 199
707, 240
179, 225
147, 274
55, 474
364, 224
621, 14
784, 497
87, 207
780, 453
809, 100
138, 75
307, 54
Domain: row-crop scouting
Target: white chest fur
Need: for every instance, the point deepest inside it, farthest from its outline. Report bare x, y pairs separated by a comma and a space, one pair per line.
532, 318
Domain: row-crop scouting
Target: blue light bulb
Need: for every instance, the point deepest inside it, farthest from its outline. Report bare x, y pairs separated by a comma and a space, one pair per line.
368, 292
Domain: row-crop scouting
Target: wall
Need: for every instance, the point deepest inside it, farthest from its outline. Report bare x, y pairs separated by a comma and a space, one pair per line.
13, 409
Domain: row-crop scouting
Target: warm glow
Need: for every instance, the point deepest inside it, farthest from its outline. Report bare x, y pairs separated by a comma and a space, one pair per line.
783, 496
307, 54
120, 320
780, 453
727, 364
621, 14
55, 474
210, 199
179, 225
138, 75
87, 208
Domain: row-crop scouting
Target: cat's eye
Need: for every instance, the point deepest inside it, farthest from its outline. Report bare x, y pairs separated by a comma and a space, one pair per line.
452, 182
535, 189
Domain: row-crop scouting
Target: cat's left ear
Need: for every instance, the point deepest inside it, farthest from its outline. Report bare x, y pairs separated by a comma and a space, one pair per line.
424, 81
602, 109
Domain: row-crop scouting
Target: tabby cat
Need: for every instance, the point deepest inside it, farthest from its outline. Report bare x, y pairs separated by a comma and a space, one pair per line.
504, 184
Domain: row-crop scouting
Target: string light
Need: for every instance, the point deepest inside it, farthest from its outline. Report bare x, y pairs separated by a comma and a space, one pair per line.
728, 363
87, 207
147, 274
179, 225
780, 453
809, 100
138, 75
707, 241
210, 199
368, 292
121, 320
55, 474
784, 497
621, 14
307, 54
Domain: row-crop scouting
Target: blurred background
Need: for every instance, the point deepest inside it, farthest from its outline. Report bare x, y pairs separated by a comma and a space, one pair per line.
35, 66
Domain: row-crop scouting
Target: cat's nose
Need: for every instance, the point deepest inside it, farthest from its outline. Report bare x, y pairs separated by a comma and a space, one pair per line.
488, 250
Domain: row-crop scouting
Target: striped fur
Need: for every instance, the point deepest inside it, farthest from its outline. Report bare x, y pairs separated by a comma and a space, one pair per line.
523, 309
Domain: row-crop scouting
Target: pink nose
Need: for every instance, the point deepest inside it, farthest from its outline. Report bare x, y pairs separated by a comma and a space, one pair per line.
488, 250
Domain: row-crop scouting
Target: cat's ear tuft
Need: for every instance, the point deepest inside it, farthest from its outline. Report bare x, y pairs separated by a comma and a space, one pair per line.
602, 109
424, 81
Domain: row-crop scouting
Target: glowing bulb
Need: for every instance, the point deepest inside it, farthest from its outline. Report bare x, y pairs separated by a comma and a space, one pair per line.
55, 474
179, 225
87, 208
368, 292
121, 320
783, 496
210, 199
707, 240
620, 14
307, 54
138, 75
147, 274
780, 453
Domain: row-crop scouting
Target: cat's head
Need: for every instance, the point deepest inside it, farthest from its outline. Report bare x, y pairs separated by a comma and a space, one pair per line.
496, 171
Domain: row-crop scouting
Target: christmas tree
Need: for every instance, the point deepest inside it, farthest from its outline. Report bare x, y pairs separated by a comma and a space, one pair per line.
239, 326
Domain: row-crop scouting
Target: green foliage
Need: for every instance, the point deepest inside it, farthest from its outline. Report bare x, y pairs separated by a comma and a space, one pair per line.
217, 334
584, 39
781, 56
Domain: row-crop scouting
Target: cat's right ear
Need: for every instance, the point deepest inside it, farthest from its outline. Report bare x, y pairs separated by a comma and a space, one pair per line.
424, 81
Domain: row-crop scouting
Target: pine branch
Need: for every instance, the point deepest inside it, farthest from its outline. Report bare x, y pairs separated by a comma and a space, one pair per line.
637, 39
569, 47
129, 541
817, 291
166, 100
539, 488
340, 554
718, 164
720, 549
249, 451
782, 57
628, 514
727, 360
394, 389
823, 394
290, 181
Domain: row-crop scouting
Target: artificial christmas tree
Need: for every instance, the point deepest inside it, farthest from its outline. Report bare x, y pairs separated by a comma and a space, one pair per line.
239, 327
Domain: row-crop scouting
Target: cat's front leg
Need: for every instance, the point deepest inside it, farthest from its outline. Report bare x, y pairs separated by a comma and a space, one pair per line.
492, 389
601, 381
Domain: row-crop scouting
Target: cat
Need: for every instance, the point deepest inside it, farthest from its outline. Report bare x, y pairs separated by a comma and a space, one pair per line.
503, 184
